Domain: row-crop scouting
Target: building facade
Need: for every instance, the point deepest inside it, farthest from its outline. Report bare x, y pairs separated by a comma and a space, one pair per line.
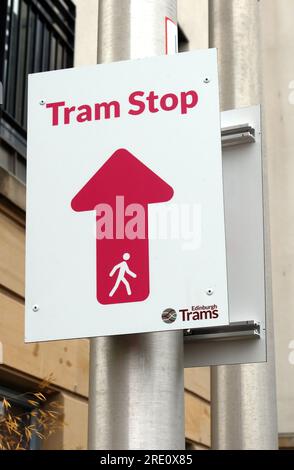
251, 35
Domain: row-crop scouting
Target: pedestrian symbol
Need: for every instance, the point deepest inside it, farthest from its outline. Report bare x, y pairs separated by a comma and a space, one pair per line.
122, 269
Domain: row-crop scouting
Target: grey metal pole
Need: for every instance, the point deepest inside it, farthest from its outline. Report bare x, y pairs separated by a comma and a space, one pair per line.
244, 408
136, 396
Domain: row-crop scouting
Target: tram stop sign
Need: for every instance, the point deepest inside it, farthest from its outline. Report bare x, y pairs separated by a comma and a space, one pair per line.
125, 217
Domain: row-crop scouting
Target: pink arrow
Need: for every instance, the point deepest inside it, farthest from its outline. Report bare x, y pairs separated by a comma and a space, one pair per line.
120, 192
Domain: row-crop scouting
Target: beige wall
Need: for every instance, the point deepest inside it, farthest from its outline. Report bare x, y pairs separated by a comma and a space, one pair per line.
277, 35
86, 32
193, 19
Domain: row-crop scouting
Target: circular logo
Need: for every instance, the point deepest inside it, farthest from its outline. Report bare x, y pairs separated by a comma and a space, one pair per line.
169, 315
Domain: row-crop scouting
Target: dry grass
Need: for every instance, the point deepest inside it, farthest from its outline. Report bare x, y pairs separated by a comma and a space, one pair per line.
44, 419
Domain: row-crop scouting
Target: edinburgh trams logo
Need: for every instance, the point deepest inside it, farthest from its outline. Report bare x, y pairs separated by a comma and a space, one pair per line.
195, 313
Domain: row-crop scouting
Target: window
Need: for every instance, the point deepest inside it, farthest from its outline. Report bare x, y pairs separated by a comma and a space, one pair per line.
19, 408
35, 36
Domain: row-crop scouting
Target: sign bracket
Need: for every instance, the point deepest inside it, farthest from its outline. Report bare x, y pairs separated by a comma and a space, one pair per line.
234, 331
237, 135
236, 343
230, 136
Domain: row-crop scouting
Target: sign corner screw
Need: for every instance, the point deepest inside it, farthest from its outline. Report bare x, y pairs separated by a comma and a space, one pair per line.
206, 80
36, 308
42, 102
209, 292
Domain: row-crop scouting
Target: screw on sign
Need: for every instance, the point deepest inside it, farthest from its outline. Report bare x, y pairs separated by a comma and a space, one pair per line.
122, 248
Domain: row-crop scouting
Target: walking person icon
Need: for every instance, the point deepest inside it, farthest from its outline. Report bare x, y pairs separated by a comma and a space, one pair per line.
122, 269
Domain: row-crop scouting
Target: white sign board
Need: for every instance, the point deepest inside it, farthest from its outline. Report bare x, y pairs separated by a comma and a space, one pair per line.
245, 243
125, 220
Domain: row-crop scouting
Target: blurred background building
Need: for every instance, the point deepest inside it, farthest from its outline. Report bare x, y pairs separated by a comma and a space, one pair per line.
256, 45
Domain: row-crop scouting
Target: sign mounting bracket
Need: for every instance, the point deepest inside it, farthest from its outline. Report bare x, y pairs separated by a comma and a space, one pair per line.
238, 135
234, 331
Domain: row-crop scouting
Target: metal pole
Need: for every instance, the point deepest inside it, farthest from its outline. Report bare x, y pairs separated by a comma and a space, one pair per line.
136, 396
244, 405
